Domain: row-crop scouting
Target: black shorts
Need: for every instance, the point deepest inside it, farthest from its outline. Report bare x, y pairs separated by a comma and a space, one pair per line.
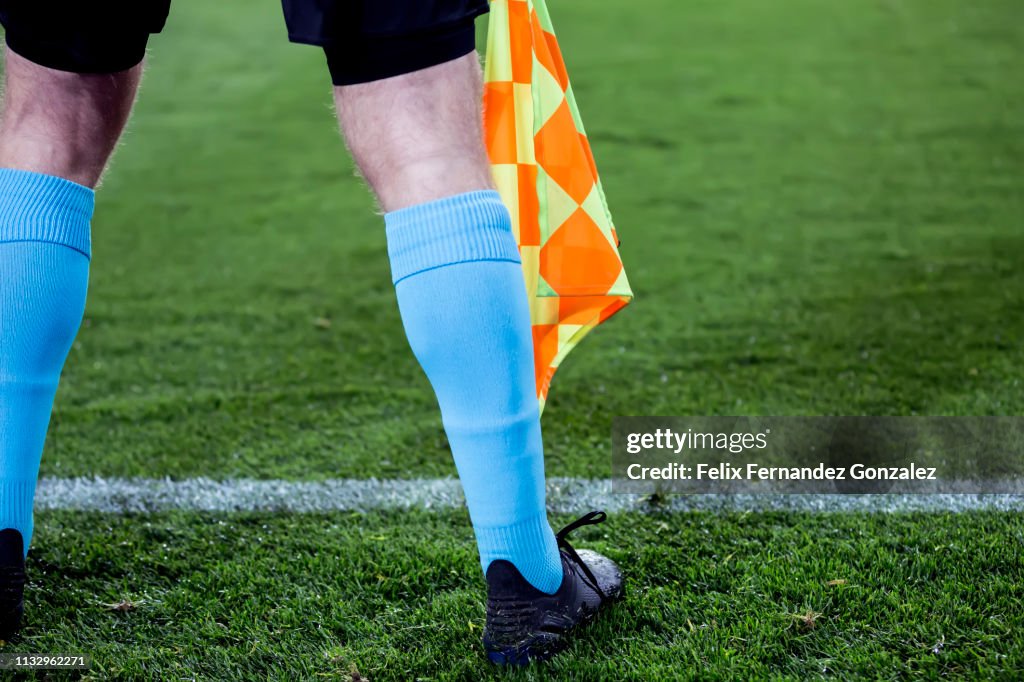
364, 40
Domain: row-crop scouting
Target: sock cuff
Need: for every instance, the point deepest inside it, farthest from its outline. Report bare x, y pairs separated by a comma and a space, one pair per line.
466, 227
44, 208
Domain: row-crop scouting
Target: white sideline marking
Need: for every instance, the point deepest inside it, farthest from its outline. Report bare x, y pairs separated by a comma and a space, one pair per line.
565, 495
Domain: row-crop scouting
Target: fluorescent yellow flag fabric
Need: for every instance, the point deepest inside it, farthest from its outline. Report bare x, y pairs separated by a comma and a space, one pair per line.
545, 172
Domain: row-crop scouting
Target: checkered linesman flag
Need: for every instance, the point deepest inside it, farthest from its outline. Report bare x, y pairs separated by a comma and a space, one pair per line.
545, 173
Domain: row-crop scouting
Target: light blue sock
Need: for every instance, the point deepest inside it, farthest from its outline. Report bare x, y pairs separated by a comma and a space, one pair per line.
463, 302
44, 270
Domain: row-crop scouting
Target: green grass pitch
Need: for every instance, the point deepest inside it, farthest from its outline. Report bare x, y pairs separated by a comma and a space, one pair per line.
821, 210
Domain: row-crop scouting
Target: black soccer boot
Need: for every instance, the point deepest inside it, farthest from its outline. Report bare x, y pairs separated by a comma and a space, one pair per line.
525, 624
12, 581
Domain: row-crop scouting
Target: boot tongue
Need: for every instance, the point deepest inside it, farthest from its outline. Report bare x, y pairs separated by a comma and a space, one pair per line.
12, 548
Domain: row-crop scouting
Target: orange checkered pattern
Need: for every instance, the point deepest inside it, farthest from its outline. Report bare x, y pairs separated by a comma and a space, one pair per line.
545, 172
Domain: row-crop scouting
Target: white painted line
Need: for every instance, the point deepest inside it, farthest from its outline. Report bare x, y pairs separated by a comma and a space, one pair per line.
565, 495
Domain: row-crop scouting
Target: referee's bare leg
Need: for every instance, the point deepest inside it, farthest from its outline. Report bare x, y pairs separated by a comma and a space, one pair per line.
62, 123
418, 137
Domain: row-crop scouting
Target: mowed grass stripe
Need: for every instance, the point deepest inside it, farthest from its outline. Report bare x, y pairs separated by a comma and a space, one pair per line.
565, 495
399, 596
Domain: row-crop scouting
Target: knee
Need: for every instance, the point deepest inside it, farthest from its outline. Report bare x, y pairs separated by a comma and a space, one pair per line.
61, 123
410, 168
418, 137
404, 170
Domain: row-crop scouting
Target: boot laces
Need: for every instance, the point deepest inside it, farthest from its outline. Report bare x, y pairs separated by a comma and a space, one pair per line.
590, 519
